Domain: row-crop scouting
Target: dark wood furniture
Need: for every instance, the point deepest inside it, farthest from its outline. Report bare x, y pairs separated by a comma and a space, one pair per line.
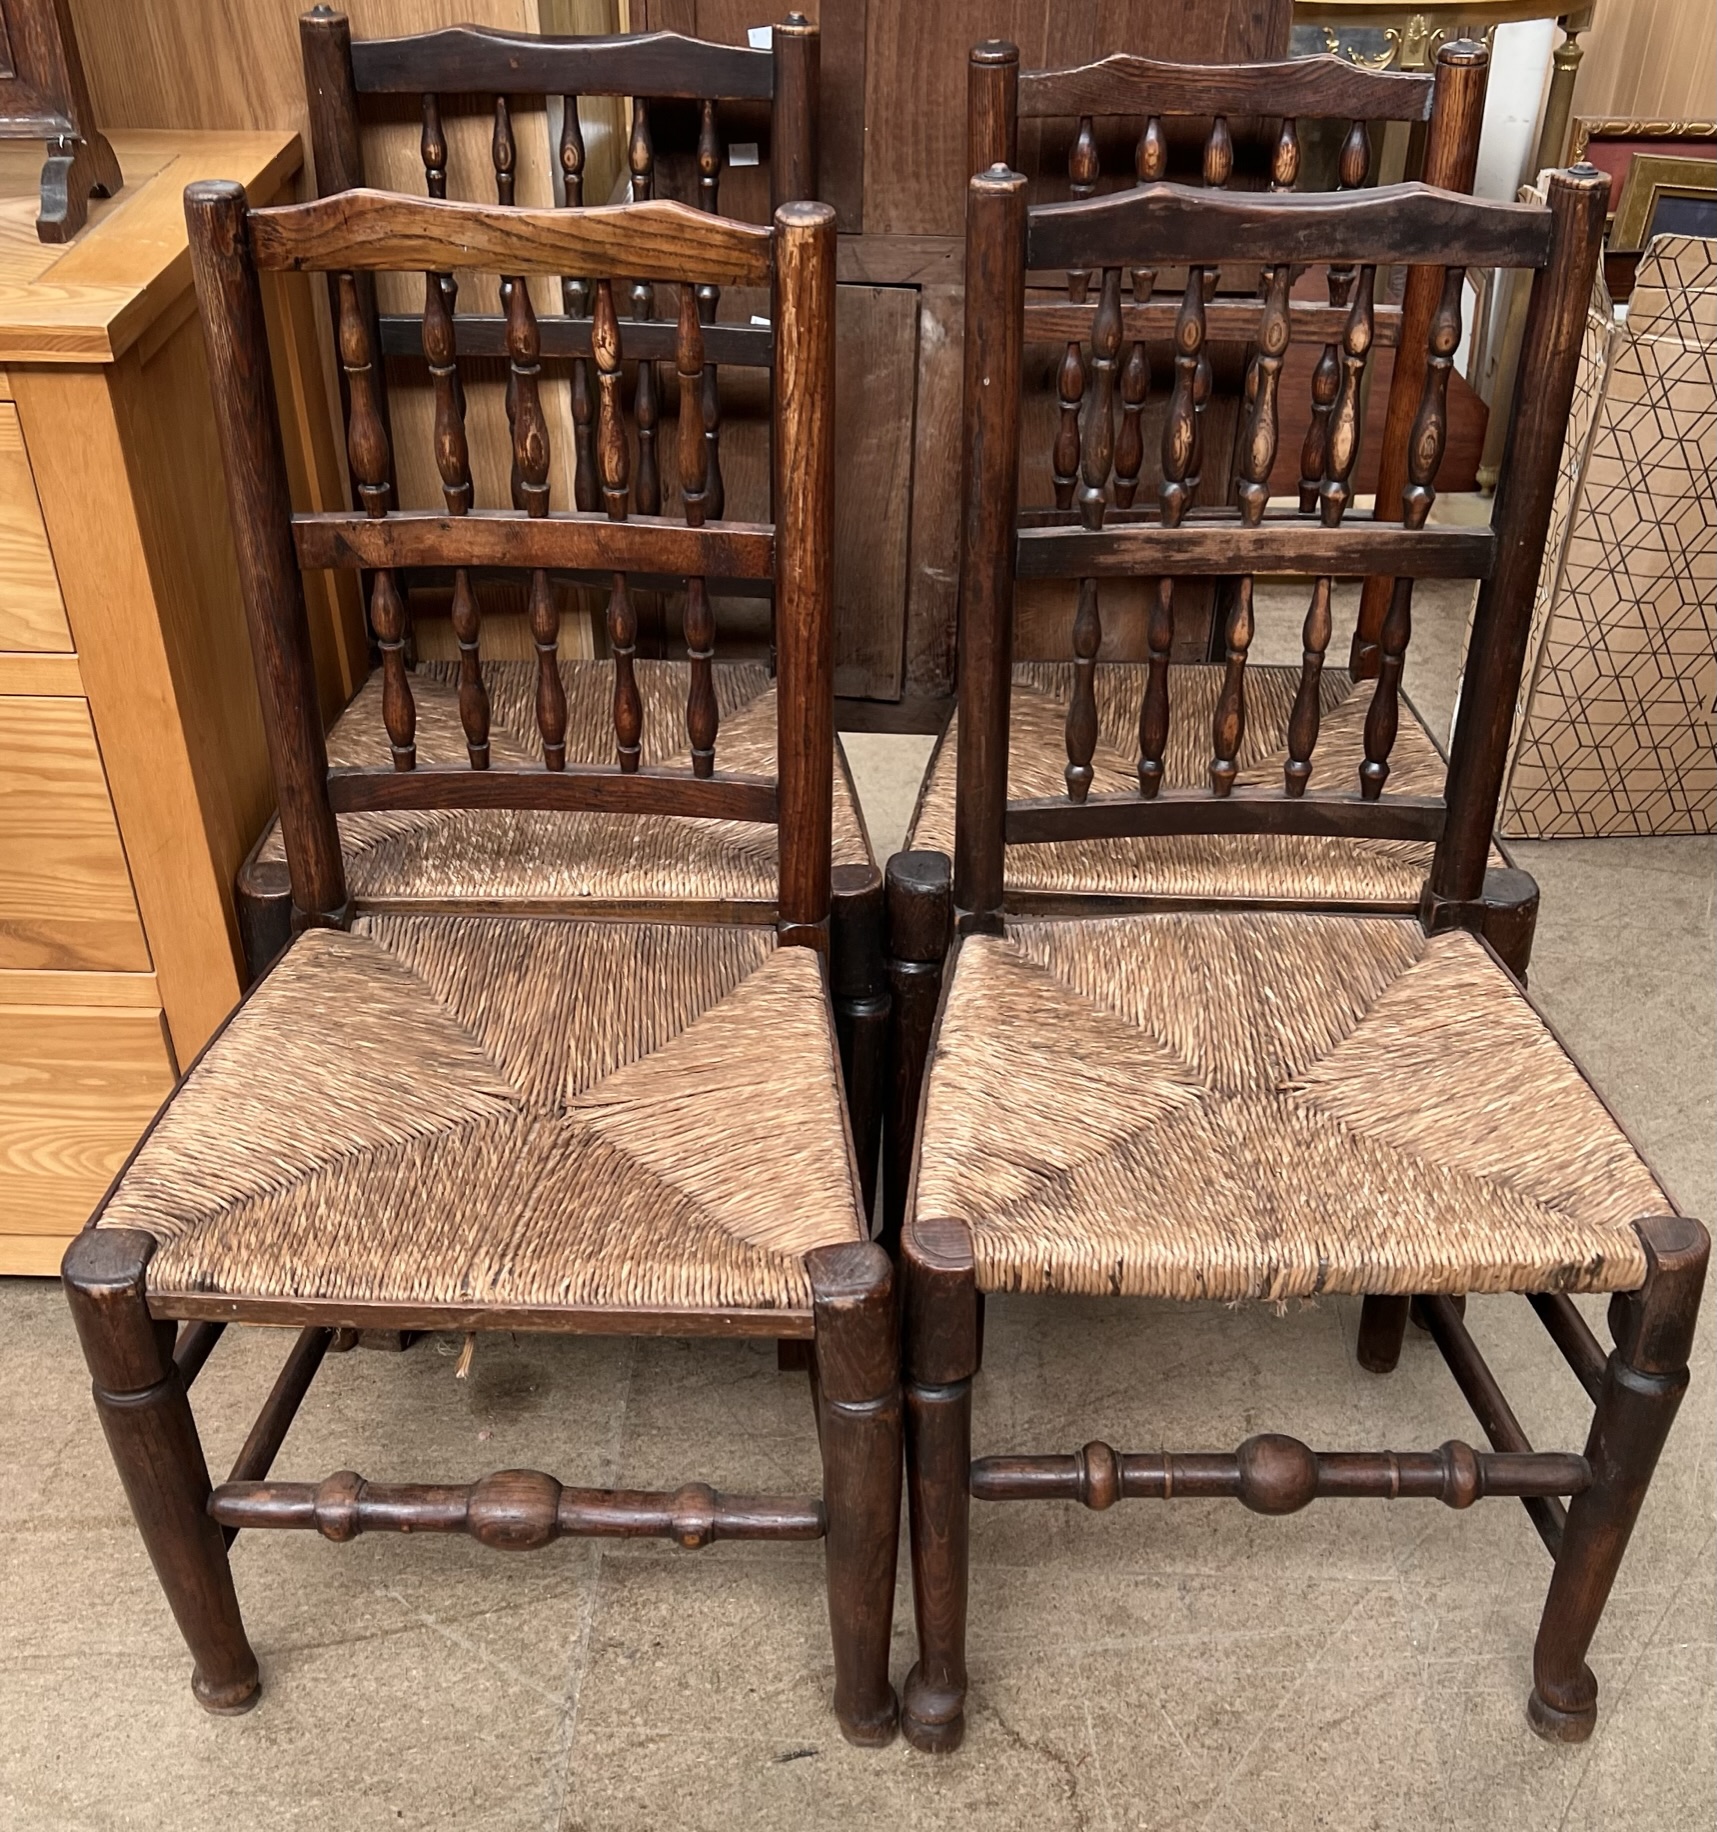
1257, 1103
43, 96
1126, 120
892, 161
690, 101
447, 1120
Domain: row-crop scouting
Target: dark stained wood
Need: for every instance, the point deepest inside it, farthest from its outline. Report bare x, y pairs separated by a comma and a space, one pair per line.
919, 891
1226, 320
1272, 1474
1496, 652
858, 984
465, 58
195, 1344
140, 1399
995, 274
859, 1409
1451, 161
1389, 223
44, 96
484, 334
992, 106
804, 457
268, 1433
514, 1510
941, 1355
564, 541
1642, 1388
589, 787
248, 423
1278, 544
1573, 1336
379, 230
793, 173
1324, 86
1244, 810
1382, 1325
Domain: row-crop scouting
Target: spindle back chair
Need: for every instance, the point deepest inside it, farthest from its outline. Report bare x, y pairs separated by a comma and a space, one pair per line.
1250, 1103
467, 68
519, 1121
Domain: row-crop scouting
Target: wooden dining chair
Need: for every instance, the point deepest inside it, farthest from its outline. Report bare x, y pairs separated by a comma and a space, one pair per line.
1126, 347
555, 1120
1256, 1103
692, 103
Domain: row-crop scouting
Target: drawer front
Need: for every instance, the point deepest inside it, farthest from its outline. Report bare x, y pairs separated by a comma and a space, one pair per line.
32, 612
77, 1087
65, 894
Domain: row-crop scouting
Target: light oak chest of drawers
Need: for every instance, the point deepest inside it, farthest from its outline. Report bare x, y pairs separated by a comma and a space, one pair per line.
132, 770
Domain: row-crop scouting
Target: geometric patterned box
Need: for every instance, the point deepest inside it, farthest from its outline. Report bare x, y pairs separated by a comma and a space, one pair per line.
1615, 725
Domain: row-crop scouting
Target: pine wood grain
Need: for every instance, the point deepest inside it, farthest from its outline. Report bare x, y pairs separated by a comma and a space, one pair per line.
65, 893
32, 613
76, 1089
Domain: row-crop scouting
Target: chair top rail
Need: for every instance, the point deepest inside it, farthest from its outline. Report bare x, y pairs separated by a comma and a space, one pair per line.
466, 58
1166, 224
1321, 87
383, 231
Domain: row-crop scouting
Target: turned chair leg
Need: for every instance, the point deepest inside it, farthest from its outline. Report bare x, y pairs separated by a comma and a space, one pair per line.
140, 1398
857, 1393
942, 1351
1643, 1385
920, 931
858, 979
1382, 1326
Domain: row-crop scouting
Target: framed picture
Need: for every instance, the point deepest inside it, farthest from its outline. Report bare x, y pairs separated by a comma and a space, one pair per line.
1664, 195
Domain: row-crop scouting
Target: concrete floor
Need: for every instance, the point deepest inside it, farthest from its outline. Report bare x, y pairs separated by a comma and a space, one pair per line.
1355, 1666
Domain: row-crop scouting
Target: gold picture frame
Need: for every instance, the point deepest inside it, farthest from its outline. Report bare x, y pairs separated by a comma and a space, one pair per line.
1652, 176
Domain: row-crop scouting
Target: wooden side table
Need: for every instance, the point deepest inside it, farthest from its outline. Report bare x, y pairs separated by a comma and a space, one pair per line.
133, 775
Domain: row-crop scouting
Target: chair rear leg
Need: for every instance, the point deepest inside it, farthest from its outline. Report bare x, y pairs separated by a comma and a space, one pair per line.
141, 1401
1643, 1385
942, 1348
920, 930
1382, 1326
858, 1397
859, 983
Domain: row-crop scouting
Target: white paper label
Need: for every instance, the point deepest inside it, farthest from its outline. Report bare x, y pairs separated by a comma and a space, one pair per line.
760, 37
742, 152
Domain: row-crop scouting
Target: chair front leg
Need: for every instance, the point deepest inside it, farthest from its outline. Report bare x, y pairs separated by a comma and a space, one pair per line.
942, 1352
1643, 1384
858, 1400
141, 1400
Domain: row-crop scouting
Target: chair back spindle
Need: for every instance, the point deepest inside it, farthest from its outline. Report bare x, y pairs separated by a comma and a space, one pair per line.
1167, 226
661, 244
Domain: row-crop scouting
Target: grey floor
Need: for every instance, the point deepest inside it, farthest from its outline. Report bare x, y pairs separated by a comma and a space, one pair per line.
1357, 1666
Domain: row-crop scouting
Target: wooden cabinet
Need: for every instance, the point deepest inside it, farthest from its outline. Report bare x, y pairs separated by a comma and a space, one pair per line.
132, 770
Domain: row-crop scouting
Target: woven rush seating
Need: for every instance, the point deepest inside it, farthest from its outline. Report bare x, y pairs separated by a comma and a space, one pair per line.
1267, 1105
506, 1112
450, 855
1277, 867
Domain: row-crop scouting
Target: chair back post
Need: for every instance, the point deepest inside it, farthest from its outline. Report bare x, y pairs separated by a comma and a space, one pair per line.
1496, 655
337, 152
1451, 162
989, 496
992, 106
797, 46
229, 293
804, 467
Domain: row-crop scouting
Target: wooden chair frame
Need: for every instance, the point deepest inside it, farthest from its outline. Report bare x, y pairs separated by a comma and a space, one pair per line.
141, 1370
1637, 1387
1448, 105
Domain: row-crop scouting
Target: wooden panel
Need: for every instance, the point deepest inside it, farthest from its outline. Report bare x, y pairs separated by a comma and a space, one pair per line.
76, 1090
32, 613
933, 578
1655, 62
31, 1255
33, 672
65, 894
135, 991
876, 346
